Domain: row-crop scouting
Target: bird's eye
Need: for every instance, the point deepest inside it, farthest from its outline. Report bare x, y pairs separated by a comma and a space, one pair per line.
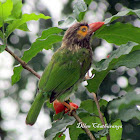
83, 29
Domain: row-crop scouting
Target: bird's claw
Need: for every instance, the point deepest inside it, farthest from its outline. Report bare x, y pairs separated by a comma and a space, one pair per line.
72, 109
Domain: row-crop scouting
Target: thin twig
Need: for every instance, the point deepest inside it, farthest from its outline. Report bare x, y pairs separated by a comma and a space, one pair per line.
25, 66
100, 114
98, 107
84, 128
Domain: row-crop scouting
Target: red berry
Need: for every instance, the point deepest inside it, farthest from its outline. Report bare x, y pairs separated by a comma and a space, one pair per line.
58, 106
60, 135
108, 56
74, 105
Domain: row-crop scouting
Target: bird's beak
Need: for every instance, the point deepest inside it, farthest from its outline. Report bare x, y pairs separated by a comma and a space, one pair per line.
95, 26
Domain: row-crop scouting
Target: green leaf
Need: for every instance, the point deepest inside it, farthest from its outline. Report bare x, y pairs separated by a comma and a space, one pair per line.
130, 61
36, 47
82, 111
79, 7
123, 13
17, 74
16, 12
83, 136
102, 68
23, 27
88, 2
98, 135
128, 113
119, 33
101, 133
103, 138
124, 108
25, 18
39, 45
5, 10
92, 109
81, 16
58, 116
50, 31
59, 126
2, 48
116, 130
66, 23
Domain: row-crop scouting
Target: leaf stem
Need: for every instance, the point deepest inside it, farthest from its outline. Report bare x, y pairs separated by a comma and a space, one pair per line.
99, 111
24, 65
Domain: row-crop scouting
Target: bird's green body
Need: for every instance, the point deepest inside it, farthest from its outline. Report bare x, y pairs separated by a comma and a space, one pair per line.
66, 69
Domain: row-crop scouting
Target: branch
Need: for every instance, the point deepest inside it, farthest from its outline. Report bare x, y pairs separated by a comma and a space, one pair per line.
25, 66
85, 129
100, 114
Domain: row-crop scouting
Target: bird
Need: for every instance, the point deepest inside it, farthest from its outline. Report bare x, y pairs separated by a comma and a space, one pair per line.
67, 68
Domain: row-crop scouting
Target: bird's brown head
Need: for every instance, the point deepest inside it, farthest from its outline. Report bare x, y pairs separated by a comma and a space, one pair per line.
80, 33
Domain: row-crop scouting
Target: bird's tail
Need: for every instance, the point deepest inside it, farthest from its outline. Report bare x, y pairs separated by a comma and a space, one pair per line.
35, 109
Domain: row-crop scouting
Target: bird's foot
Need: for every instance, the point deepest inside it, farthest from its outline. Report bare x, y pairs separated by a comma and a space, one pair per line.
72, 109
69, 107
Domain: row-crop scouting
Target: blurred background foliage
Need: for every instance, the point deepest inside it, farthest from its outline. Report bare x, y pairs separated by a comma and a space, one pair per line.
16, 100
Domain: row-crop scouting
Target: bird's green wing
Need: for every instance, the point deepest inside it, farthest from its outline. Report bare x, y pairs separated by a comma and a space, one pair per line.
61, 74
62, 78
45, 75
